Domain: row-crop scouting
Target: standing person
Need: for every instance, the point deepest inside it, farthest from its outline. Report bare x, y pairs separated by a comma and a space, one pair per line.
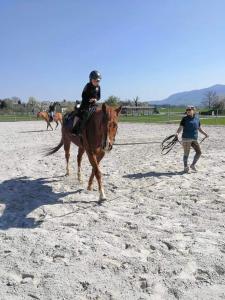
190, 125
90, 95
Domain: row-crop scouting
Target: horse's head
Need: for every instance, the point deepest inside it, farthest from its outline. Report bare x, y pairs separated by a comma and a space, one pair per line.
110, 121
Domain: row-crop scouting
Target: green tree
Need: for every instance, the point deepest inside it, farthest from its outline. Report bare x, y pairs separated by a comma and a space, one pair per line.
112, 101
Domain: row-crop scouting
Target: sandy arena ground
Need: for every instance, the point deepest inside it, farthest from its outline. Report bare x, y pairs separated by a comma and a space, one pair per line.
160, 234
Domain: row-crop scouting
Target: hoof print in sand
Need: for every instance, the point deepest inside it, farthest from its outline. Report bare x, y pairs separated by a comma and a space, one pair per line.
26, 278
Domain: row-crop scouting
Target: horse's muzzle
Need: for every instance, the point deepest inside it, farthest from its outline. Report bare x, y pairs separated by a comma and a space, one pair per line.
107, 146
110, 146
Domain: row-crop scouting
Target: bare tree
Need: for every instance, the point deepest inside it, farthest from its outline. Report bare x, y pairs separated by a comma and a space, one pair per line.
16, 100
136, 99
219, 104
210, 99
32, 101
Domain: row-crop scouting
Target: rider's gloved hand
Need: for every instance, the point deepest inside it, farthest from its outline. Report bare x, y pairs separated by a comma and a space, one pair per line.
93, 100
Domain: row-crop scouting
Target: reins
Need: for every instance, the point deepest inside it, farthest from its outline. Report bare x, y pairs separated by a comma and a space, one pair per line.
169, 142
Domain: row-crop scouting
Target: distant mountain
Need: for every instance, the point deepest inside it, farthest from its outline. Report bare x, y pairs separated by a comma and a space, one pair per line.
194, 97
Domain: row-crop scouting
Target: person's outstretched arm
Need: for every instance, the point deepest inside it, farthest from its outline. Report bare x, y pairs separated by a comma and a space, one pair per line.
180, 128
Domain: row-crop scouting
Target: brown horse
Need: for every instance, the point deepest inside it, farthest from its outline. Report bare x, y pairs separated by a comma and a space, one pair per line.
97, 139
45, 116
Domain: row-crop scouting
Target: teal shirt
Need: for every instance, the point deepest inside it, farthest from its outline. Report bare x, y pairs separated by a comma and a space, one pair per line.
190, 127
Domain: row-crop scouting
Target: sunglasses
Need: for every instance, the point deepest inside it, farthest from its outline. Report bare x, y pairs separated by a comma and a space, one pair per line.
188, 109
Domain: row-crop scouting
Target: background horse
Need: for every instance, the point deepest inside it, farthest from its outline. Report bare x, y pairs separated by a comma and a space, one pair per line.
45, 116
97, 138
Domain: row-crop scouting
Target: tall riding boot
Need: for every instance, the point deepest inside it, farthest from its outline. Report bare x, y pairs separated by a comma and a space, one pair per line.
84, 121
76, 126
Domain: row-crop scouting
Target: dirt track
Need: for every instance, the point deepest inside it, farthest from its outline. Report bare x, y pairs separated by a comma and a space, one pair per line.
160, 234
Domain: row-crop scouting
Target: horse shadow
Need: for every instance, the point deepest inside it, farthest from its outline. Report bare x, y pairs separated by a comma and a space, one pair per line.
21, 196
152, 174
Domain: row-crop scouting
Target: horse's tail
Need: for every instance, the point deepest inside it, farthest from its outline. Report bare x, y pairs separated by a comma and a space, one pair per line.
55, 149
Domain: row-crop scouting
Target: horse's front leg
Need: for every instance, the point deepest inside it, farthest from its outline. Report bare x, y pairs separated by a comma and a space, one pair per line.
97, 173
90, 182
67, 156
79, 159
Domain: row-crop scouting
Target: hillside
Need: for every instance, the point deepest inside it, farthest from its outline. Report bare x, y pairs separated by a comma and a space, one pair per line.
194, 97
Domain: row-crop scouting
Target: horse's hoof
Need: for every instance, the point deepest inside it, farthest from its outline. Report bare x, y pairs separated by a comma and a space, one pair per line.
102, 197
67, 174
101, 200
79, 177
89, 188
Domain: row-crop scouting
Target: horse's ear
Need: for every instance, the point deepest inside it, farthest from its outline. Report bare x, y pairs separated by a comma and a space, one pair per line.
104, 107
118, 110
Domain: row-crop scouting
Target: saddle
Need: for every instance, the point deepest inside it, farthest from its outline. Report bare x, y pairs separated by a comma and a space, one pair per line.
68, 119
81, 123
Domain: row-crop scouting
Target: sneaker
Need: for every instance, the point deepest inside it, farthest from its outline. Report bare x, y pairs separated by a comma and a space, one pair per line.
186, 170
193, 168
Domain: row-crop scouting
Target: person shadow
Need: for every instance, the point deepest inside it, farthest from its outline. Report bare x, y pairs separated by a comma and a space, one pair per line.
152, 174
21, 196
31, 131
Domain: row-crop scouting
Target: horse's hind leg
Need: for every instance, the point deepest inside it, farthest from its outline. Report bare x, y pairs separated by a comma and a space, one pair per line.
67, 155
102, 195
48, 124
79, 159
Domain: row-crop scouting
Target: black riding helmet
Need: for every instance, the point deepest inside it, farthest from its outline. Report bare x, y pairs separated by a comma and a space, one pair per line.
95, 75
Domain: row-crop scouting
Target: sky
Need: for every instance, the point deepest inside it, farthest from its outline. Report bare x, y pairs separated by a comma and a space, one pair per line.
147, 48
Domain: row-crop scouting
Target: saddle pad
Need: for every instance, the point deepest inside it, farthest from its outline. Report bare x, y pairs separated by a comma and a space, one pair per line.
68, 119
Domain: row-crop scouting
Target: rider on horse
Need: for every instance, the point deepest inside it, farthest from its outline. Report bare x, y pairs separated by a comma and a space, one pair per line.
51, 111
90, 95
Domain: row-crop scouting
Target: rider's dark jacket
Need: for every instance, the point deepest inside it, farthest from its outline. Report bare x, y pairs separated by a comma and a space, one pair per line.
89, 92
51, 108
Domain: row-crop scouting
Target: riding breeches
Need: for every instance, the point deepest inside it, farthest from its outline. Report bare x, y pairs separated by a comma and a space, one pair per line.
187, 145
